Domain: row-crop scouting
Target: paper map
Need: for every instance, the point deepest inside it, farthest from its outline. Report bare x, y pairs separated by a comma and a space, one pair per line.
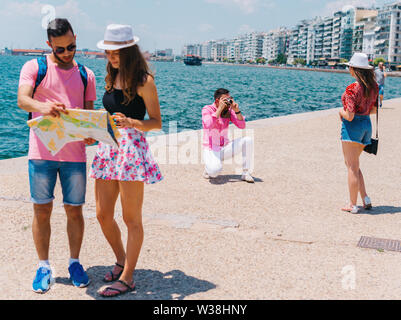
78, 125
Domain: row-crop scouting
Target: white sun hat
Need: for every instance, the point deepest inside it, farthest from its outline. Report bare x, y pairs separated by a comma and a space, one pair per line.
359, 60
117, 37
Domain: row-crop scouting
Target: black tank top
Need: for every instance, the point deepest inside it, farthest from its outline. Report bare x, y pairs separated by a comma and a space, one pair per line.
112, 102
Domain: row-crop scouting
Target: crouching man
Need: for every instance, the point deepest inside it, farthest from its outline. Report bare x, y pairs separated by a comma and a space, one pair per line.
216, 119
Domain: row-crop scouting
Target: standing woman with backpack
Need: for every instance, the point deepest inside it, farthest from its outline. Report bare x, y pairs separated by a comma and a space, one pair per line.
130, 94
359, 101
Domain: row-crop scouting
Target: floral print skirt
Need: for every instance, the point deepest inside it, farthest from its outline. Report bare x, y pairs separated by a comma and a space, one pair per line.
132, 161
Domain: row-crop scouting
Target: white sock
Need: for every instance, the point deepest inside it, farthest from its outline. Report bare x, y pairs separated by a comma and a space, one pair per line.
44, 264
73, 260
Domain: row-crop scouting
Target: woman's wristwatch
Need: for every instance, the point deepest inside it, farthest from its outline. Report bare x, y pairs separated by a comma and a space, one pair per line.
238, 112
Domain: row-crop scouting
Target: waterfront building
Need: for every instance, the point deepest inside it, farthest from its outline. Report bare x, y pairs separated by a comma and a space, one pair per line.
369, 38
192, 49
336, 35
234, 50
206, 50
219, 50
275, 42
164, 53
351, 16
256, 45
298, 46
29, 52
316, 33
328, 34
377, 32
364, 36
251, 46
388, 33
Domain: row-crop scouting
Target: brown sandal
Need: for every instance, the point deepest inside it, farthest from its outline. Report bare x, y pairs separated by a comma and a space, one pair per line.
129, 288
114, 276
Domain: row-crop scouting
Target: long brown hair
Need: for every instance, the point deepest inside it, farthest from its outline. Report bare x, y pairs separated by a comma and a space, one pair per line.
133, 72
367, 79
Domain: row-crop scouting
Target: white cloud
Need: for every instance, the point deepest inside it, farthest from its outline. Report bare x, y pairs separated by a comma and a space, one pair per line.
70, 9
247, 6
337, 5
205, 27
243, 29
26, 9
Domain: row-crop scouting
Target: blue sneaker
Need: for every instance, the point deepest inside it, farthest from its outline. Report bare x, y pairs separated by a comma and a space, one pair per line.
78, 275
43, 280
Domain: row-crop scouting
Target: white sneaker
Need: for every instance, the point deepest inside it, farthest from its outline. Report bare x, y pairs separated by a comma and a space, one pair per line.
205, 175
355, 210
368, 203
246, 176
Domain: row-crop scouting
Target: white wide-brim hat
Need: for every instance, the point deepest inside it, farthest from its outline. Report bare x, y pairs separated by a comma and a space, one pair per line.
117, 37
359, 60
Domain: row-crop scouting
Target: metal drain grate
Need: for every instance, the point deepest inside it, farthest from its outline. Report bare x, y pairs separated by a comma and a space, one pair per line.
380, 244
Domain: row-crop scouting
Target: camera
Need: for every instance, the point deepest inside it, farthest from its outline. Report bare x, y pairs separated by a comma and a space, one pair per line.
229, 102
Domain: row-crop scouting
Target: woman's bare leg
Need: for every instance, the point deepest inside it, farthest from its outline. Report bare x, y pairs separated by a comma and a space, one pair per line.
106, 193
131, 194
352, 152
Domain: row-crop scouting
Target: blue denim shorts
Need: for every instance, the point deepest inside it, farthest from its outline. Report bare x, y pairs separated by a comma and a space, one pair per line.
359, 130
381, 89
43, 176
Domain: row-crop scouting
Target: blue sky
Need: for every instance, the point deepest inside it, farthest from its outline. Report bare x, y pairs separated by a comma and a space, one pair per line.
159, 23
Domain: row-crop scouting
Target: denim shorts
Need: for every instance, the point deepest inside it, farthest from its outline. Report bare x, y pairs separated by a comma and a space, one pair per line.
381, 89
359, 130
43, 176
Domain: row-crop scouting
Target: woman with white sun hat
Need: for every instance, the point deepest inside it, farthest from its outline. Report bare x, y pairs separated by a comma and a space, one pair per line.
359, 101
130, 94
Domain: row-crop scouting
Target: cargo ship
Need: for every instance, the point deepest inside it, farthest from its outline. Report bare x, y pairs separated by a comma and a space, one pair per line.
191, 60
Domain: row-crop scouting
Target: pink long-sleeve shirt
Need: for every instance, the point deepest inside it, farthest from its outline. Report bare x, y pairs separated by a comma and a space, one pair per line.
215, 130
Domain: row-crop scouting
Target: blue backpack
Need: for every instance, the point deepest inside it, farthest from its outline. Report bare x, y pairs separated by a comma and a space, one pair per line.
42, 62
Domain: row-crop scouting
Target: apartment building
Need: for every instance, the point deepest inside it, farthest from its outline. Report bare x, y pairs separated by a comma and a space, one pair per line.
388, 33
364, 36
377, 32
219, 51
275, 42
328, 34
299, 46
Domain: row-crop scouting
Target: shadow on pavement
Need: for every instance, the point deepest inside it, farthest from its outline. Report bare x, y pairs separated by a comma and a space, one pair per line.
150, 285
223, 179
382, 210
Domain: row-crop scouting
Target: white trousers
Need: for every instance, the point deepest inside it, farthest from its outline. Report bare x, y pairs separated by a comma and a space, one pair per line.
214, 159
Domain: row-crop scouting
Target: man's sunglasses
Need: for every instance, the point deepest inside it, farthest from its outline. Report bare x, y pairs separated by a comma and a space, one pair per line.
71, 48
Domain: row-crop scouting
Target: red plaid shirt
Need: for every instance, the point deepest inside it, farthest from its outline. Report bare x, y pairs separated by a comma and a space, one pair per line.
354, 99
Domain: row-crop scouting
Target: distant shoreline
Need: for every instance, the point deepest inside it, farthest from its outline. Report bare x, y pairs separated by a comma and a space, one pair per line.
389, 74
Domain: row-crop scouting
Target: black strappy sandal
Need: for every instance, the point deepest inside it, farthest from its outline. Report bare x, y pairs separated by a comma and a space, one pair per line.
114, 277
119, 292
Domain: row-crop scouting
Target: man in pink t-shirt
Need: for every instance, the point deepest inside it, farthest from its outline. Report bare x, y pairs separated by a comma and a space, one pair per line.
62, 88
216, 119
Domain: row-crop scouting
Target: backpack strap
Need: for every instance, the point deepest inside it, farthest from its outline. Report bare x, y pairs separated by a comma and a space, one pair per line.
42, 63
84, 77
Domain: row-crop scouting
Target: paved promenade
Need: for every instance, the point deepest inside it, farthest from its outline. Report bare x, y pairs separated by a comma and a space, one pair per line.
282, 238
